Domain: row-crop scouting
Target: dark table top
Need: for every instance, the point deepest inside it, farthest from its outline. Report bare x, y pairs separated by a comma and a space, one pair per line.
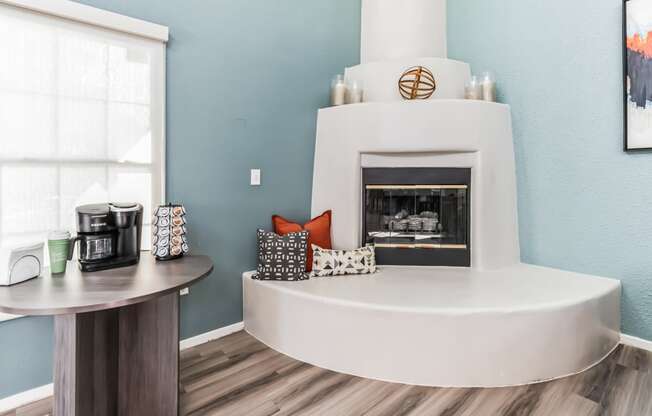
77, 292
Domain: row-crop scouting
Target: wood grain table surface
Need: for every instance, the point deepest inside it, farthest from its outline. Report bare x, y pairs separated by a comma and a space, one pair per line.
77, 292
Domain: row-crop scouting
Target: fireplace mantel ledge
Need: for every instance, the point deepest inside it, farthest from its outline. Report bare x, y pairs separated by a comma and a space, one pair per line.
442, 101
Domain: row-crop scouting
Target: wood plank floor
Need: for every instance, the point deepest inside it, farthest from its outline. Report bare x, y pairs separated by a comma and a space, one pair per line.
238, 375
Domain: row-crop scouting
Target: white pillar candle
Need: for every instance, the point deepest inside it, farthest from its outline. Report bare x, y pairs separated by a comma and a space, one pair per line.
338, 91
473, 90
489, 91
488, 87
354, 94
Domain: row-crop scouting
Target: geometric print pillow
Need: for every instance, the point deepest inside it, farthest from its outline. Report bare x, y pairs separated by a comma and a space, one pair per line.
282, 258
340, 262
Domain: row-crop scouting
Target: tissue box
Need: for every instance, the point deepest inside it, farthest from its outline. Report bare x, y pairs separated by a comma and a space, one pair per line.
18, 264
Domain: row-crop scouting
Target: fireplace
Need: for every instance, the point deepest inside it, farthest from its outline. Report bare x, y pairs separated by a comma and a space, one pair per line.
418, 216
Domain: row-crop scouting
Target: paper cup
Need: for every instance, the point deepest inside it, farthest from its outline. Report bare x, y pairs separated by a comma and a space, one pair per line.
58, 247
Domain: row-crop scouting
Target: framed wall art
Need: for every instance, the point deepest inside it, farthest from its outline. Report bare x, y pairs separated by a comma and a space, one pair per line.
637, 74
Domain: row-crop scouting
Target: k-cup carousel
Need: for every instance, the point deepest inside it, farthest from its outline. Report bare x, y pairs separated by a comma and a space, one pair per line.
169, 240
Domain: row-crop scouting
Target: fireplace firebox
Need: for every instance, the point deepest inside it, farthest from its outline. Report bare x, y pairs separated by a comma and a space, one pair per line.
418, 216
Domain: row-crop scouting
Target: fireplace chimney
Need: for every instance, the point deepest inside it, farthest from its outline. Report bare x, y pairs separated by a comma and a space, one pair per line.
398, 29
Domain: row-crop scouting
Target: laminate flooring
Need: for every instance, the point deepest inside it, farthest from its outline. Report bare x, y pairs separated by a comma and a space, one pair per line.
238, 376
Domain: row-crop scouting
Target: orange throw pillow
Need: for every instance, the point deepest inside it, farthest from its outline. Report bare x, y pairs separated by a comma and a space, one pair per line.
319, 229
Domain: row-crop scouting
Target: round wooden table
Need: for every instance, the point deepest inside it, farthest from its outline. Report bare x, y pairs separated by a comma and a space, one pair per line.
116, 334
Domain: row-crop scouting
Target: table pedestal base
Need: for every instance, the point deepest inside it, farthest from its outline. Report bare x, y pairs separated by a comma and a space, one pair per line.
121, 361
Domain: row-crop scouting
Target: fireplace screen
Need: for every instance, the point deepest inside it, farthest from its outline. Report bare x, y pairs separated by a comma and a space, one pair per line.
418, 223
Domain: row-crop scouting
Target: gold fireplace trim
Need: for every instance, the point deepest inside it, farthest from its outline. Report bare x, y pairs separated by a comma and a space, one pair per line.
426, 246
417, 187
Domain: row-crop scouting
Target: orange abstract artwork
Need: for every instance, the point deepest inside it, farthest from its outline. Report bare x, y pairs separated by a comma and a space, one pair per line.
638, 74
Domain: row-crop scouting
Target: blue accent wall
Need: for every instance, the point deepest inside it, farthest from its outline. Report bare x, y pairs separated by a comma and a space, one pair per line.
584, 204
25, 354
244, 82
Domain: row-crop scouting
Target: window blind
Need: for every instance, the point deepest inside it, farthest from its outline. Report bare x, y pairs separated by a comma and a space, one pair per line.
81, 121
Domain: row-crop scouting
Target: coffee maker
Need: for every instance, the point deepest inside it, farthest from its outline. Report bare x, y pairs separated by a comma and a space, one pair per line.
109, 236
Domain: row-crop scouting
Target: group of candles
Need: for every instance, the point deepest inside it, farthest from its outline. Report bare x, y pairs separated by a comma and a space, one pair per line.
345, 93
481, 88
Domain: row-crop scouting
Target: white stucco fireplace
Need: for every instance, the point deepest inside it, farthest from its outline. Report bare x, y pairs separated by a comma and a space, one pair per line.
496, 322
433, 133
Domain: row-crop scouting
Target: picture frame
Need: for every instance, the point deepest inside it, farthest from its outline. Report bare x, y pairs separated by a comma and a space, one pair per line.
637, 75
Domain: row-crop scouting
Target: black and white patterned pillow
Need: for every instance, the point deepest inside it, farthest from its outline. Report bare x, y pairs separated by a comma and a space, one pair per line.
282, 258
340, 262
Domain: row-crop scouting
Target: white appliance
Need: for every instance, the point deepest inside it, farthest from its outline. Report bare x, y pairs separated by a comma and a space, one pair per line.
18, 264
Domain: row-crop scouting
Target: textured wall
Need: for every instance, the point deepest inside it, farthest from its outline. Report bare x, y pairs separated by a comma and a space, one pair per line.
245, 80
26, 358
584, 205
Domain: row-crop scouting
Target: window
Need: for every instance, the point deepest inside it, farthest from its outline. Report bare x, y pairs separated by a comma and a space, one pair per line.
81, 119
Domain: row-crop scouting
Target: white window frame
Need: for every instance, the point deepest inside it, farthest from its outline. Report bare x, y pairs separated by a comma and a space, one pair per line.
93, 16
104, 19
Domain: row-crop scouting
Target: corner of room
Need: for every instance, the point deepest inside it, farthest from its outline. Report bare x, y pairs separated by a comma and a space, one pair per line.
334, 207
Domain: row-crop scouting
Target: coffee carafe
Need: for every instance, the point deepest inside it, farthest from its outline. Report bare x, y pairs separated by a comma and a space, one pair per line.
109, 235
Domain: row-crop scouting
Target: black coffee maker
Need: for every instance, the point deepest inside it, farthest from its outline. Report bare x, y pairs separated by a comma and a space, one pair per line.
109, 236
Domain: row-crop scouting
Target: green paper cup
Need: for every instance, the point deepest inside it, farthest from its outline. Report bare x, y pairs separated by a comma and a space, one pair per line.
58, 246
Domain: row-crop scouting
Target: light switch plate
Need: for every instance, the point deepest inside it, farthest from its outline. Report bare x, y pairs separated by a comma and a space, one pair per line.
255, 177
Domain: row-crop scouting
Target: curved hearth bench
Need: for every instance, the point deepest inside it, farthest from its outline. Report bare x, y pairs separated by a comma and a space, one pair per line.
441, 326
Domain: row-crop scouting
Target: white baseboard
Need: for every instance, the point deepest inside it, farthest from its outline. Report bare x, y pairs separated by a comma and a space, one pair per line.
636, 342
211, 335
43, 392
7, 317
26, 397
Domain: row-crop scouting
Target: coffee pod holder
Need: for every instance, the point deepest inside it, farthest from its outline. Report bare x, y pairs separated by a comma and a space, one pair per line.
169, 240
